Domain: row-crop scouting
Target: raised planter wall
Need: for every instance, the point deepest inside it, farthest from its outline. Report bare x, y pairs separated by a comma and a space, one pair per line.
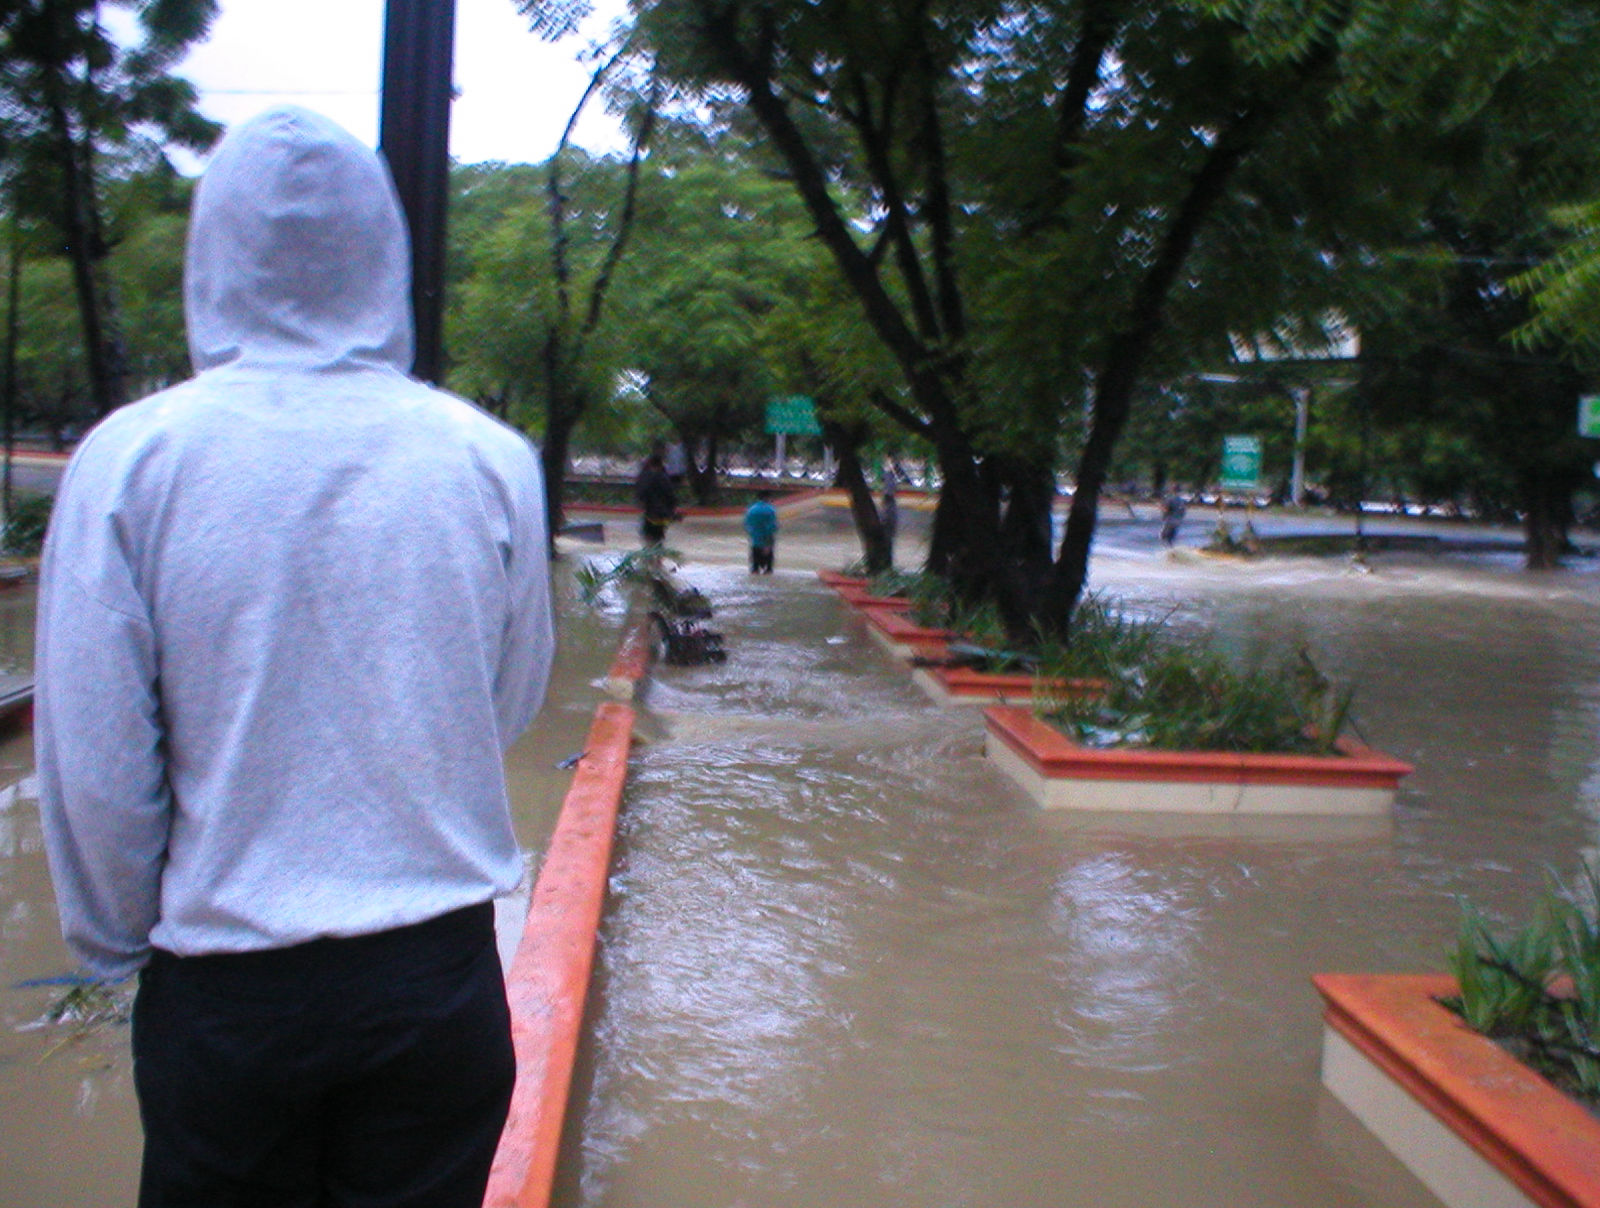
861, 598
1060, 774
837, 579
902, 637
1476, 1126
964, 686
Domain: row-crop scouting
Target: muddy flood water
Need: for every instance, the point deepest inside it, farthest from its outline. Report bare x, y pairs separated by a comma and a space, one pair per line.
845, 962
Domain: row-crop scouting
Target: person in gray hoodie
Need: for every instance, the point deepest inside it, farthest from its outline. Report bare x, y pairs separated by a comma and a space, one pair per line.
291, 614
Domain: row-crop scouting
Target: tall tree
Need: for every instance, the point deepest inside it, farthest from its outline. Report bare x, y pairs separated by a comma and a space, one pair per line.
1442, 347
579, 235
721, 250
69, 92
1039, 207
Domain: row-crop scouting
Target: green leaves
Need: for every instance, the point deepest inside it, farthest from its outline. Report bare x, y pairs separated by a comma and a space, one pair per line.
1565, 289
1537, 990
1173, 692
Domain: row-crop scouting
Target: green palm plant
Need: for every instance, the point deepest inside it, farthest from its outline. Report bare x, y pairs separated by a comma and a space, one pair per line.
1536, 991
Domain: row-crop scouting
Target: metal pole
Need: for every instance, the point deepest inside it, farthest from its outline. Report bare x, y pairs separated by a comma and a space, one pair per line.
1302, 413
414, 136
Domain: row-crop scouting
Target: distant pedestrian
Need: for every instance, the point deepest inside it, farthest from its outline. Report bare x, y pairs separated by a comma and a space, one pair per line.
1172, 512
761, 525
658, 499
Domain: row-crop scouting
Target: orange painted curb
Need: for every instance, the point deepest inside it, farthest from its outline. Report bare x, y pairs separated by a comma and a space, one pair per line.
964, 681
1053, 755
1536, 1136
549, 977
898, 627
836, 579
633, 659
861, 598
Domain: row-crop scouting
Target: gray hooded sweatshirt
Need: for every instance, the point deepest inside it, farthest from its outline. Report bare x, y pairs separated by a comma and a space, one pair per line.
292, 611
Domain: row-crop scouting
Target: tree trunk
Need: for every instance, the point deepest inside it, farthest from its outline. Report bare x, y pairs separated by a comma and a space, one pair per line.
702, 474
966, 545
1543, 522
851, 475
559, 425
80, 217
1112, 400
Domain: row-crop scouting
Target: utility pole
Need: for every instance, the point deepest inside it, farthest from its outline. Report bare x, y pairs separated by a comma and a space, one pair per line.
414, 136
1302, 415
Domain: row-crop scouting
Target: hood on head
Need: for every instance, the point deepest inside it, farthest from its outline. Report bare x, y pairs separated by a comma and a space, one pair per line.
298, 254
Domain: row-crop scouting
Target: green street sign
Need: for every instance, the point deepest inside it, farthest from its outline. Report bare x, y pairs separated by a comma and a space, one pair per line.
793, 414
1589, 415
1241, 463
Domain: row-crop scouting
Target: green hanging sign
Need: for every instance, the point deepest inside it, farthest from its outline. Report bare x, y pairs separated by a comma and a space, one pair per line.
1241, 463
793, 415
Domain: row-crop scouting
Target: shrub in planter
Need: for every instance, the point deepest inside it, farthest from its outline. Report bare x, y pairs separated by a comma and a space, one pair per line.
1164, 692
1536, 992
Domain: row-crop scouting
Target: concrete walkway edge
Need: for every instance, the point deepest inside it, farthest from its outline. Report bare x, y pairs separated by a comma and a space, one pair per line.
549, 976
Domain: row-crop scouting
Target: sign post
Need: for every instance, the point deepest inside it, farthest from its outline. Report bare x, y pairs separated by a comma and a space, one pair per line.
790, 413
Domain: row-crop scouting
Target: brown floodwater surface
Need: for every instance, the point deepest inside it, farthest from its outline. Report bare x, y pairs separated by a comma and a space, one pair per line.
846, 963
69, 1128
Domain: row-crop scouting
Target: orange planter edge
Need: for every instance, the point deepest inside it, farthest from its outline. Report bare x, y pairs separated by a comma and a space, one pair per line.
900, 628
549, 977
964, 681
860, 597
632, 661
837, 579
1055, 756
1523, 1126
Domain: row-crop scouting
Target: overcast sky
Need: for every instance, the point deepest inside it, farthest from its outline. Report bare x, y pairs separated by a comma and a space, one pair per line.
515, 91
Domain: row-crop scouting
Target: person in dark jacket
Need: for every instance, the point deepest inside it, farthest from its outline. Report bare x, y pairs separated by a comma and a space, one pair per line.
658, 498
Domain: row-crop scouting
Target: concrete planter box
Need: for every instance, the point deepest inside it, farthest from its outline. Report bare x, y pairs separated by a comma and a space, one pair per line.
904, 638
1471, 1122
837, 579
1060, 774
964, 686
860, 598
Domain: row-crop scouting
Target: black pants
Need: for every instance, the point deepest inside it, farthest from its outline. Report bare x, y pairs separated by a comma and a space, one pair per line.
761, 559
368, 1071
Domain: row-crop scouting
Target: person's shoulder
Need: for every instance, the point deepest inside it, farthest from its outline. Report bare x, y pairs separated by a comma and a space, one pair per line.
475, 427
135, 427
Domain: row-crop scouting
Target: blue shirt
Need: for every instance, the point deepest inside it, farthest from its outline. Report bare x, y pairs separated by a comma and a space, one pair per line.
761, 523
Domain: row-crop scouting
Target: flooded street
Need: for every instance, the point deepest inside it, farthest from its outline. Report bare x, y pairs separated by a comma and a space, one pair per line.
845, 962
69, 1129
